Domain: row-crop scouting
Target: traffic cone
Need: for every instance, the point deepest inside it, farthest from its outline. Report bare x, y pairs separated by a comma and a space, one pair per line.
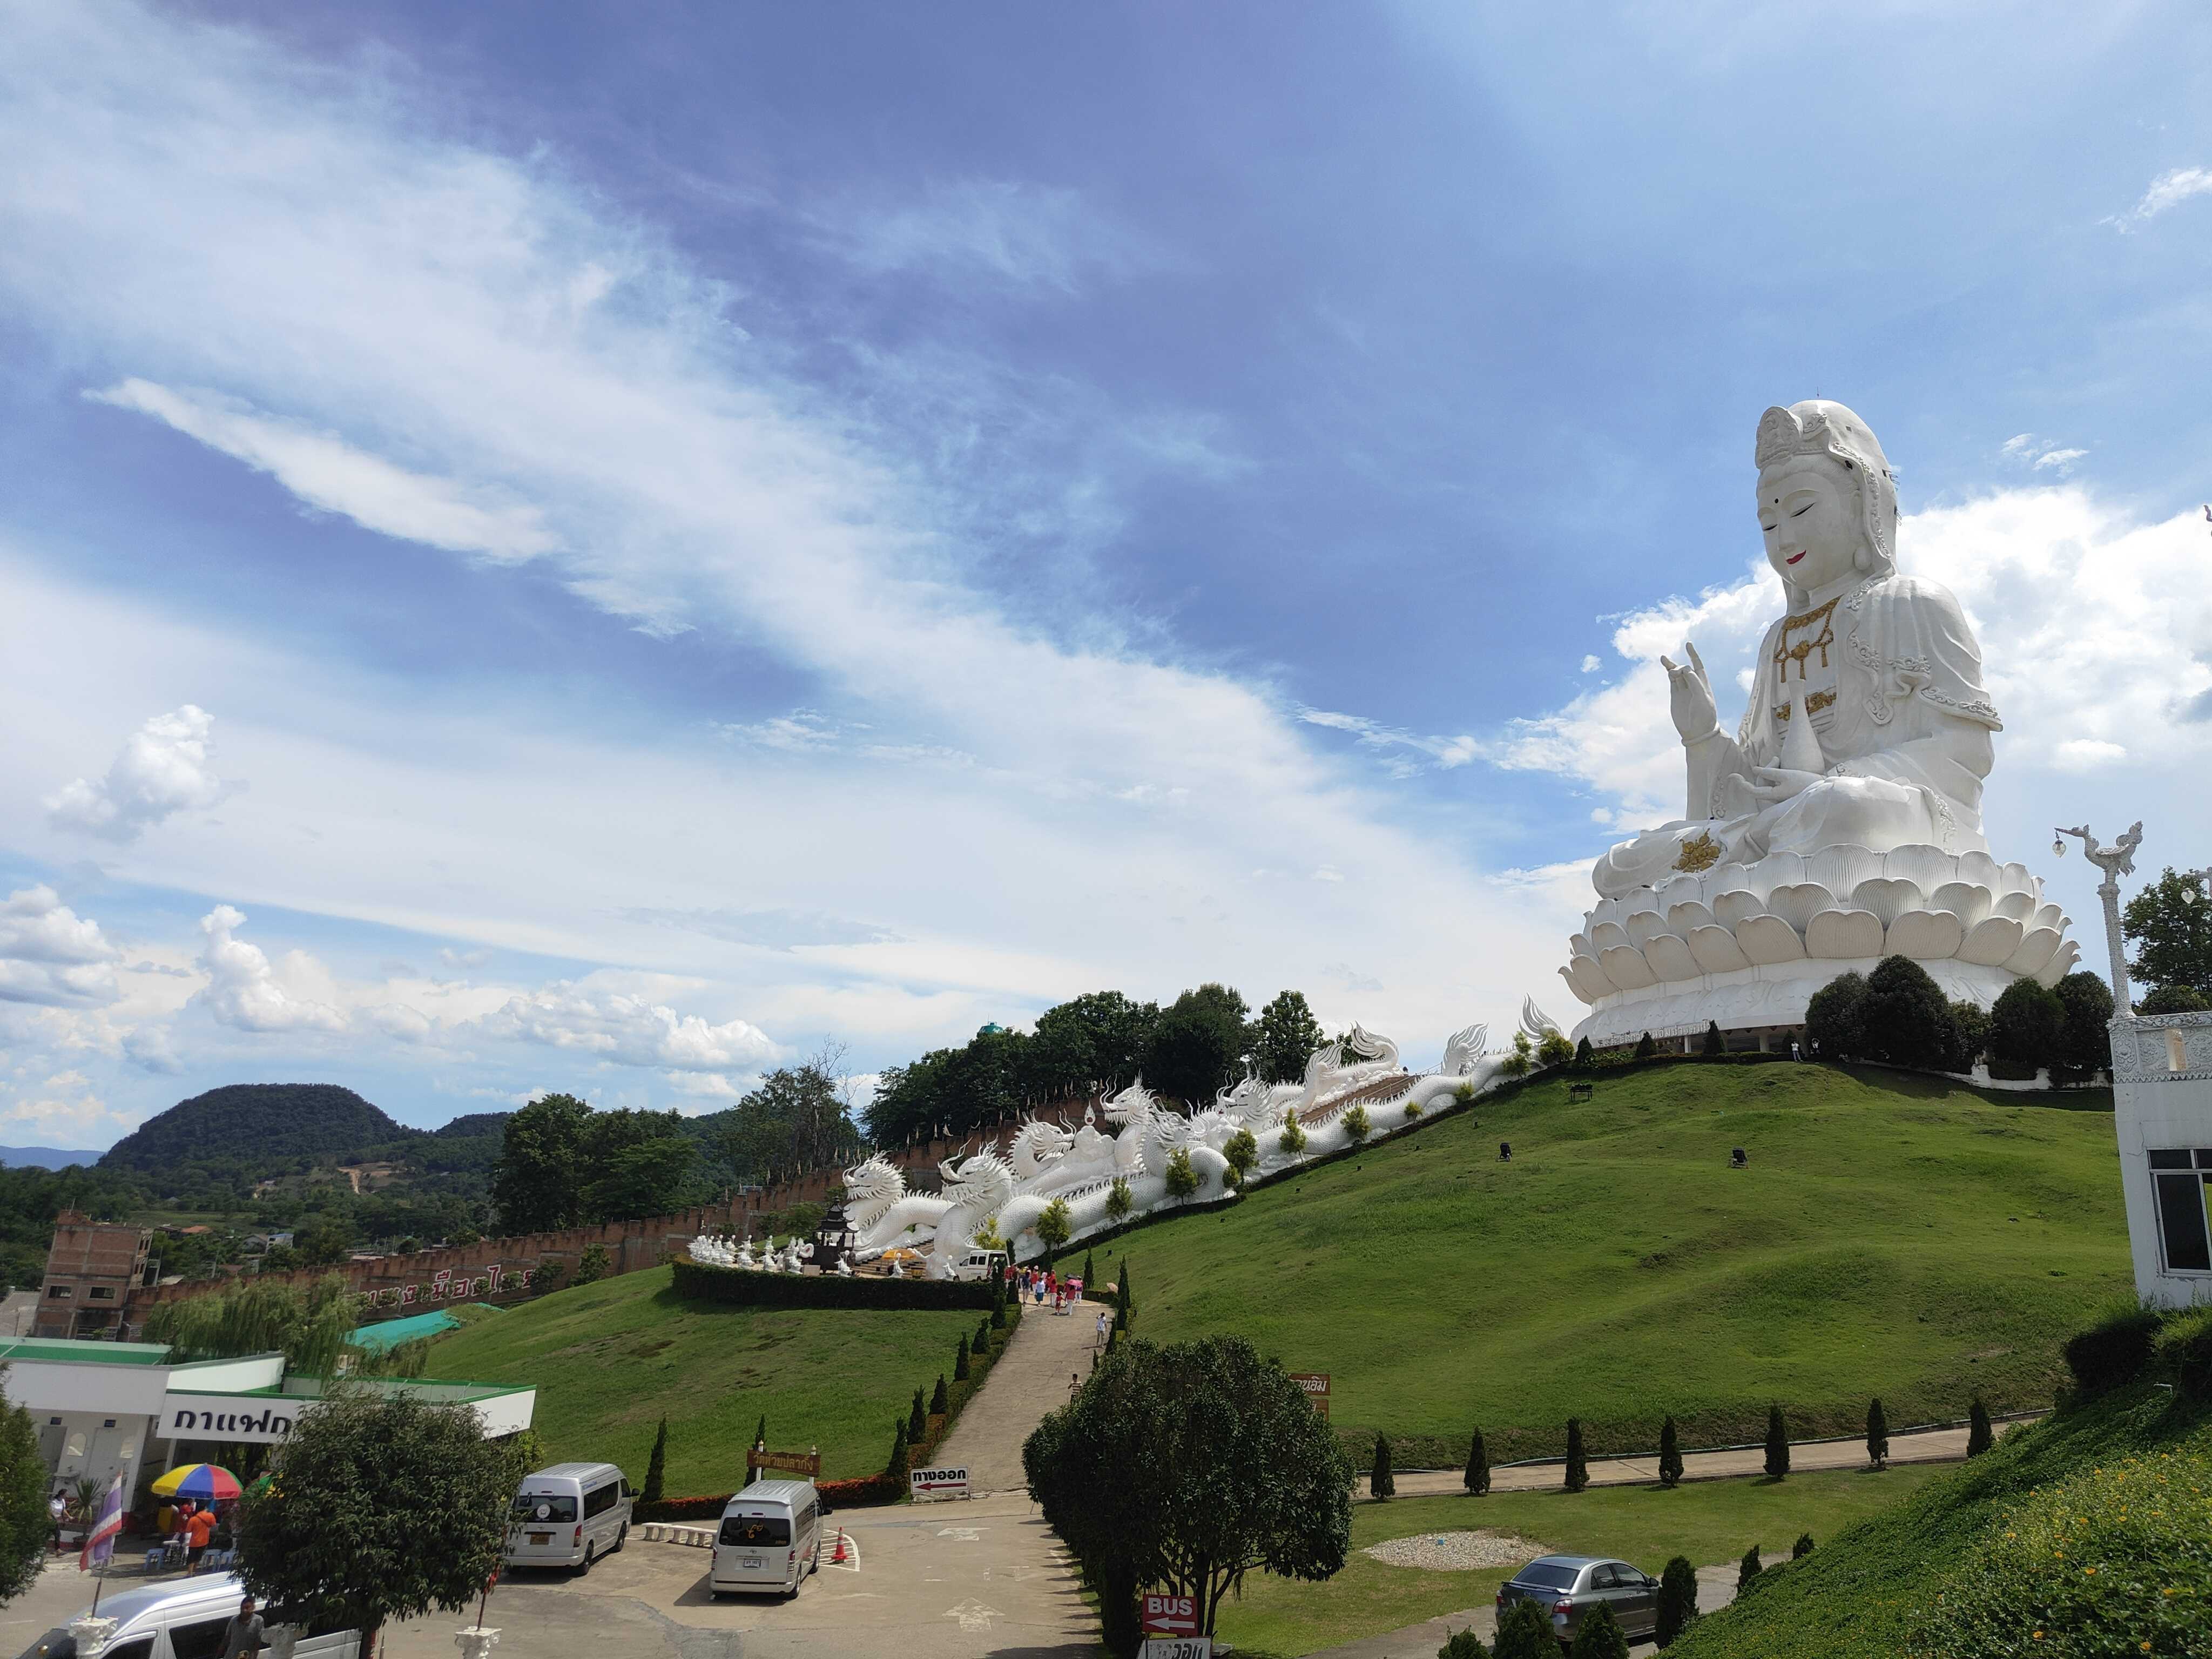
839, 1557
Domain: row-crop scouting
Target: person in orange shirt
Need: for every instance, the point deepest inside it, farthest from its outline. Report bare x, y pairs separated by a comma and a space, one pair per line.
198, 1531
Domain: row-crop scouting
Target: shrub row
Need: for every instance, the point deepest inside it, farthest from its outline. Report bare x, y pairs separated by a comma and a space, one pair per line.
739, 1288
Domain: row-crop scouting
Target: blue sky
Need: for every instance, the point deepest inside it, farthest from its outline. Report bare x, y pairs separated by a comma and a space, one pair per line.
620, 550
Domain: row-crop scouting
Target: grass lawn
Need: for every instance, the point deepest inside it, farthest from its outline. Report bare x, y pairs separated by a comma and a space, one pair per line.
1710, 1522
610, 1359
1894, 1234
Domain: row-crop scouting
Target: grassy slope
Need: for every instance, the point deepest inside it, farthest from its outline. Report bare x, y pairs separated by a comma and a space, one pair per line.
1894, 1236
1861, 1598
609, 1359
1708, 1522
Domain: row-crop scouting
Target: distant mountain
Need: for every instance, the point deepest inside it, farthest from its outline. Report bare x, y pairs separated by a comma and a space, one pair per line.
477, 1123
254, 1122
43, 1158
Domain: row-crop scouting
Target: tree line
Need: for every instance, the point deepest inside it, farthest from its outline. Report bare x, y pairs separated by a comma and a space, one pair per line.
1203, 1041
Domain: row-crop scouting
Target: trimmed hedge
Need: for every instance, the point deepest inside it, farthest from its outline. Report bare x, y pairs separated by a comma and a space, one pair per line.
734, 1286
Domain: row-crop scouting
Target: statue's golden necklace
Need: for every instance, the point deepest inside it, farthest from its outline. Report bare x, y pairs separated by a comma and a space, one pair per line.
1796, 644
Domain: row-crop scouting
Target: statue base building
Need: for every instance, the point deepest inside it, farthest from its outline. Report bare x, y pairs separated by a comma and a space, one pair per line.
1841, 823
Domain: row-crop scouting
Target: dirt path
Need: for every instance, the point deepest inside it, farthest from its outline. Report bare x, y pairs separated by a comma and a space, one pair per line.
1030, 1380
1928, 1446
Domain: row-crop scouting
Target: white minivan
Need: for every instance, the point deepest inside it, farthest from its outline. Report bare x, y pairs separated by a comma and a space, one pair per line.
770, 1538
183, 1618
567, 1515
985, 1265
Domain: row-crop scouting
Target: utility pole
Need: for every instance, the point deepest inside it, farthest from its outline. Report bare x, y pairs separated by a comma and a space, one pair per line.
2116, 860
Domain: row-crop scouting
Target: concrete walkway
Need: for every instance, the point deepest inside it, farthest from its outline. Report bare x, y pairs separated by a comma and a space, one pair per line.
1030, 1379
1928, 1446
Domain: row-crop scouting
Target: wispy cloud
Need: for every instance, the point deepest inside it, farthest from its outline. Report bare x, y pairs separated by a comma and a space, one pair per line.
2040, 455
2169, 190
1443, 753
1019, 234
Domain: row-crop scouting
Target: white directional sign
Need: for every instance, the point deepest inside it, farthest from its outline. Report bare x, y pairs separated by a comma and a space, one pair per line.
930, 1485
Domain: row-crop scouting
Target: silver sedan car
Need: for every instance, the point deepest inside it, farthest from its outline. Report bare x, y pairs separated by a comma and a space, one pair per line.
1569, 1586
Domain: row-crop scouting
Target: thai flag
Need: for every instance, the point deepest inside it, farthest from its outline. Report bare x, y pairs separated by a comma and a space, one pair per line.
100, 1543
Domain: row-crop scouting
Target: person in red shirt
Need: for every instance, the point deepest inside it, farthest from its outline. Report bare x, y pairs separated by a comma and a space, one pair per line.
198, 1531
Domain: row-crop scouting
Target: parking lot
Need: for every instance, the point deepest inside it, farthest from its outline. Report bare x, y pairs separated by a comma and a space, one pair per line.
939, 1581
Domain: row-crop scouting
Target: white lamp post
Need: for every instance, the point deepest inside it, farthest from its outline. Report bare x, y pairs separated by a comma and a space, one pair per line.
2116, 860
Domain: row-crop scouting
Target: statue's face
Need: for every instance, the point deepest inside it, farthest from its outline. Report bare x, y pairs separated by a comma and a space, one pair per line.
1808, 509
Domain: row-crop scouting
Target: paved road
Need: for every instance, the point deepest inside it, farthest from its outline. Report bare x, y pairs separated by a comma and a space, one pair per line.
1928, 1446
1030, 1379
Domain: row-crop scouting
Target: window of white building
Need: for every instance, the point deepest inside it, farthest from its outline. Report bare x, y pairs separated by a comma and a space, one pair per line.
2181, 1176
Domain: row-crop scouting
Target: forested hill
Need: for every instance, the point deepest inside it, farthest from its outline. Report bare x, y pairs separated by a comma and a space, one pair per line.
475, 1123
253, 1123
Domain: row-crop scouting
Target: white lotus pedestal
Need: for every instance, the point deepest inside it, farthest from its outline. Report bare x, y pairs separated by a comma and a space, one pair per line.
476, 1642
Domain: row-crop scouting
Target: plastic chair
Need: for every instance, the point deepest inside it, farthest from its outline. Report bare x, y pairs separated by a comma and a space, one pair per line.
153, 1560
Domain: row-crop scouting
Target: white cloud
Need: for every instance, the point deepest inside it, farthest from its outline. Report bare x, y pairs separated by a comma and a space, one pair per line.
161, 770
1445, 752
627, 1030
2169, 190
243, 991
51, 956
2086, 755
327, 472
149, 1048
2063, 459
1590, 665
1022, 235
64, 1110
2040, 455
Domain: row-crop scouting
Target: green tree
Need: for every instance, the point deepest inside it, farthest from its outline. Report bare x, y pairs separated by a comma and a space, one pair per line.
593, 1265
1284, 1038
1670, 1454
941, 1402
24, 1527
1715, 1044
1877, 1435
1577, 1469
1517, 1063
1199, 1045
1380, 1482
760, 1433
1182, 1178
649, 1175
1524, 1631
960, 1370
1476, 1476
1835, 1018
1124, 1298
917, 1420
1053, 1227
1645, 1048
326, 1243
1188, 1467
1087, 1040
796, 1119
2027, 1026
311, 1328
1777, 1443
1292, 1141
1585, 1056
1908, 1018
1678, 1599
2170, 925
536, 1185
1554, 1049
1118, 1200
1802, 1547
388, 1508
1242, 1151
2174, 1000
656, 1467
1600, 1636
1970, 1035
1979, 1435
1090, 1270
1356, 1126
1463, 1644
895, 1466
1748, 1568
2085, 1048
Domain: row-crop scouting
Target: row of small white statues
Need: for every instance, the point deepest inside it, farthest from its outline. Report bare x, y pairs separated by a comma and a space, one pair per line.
716, 1250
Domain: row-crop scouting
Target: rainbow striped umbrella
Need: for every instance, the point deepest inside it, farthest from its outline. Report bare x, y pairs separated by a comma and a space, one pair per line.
207, 1483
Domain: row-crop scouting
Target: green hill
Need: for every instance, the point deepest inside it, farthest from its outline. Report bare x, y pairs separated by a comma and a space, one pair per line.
253, 1123
1894, 1234
610, 1359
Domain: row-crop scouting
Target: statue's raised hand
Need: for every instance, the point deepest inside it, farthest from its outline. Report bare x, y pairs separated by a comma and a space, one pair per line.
1690, 695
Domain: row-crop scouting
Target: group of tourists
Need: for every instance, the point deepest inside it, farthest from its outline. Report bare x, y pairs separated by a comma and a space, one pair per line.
1041, 1284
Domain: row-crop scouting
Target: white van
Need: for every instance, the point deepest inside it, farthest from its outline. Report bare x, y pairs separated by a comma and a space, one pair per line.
770, 1538
980, 1264
567, 1515
183, 1619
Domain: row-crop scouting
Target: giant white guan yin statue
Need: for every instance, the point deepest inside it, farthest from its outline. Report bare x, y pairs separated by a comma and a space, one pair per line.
1842, 821
1003, 1194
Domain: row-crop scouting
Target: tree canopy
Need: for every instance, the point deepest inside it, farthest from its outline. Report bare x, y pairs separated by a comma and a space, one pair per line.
2170, 924
1199, 1045
23, 1525
382, 1509
1284, 1037
308, 1327
565, 1165
1182, 1468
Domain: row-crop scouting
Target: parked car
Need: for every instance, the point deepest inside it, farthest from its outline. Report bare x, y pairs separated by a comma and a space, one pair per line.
183, 1619
1569, 1586
567, 1515
980, 1264
769, 1539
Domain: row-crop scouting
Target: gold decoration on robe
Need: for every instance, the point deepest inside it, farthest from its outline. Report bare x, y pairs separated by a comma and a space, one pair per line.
1700, 852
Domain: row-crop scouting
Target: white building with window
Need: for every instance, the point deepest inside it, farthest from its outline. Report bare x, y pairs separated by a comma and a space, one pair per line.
2162, 1113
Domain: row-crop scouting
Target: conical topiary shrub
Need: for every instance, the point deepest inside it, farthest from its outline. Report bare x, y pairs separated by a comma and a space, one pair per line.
1802, 1547
1600, 1635
656, 1467
1379, 1481
1678, 1599
1477, 1476
1577, 1472
917, 1421
960, 1360
1748, 1568
1877, 1435
1979, 1435
1777, 1443
1670, 1454
939, 1402
1645, 1048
